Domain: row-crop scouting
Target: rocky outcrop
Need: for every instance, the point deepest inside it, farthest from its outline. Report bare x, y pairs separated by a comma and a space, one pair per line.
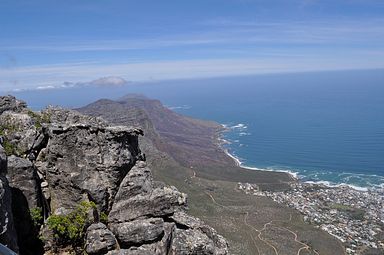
137, 197
8, 234
150, 219
10, 103
26, 196
23, 178
82, 161
99, 239
68, 157
139, 232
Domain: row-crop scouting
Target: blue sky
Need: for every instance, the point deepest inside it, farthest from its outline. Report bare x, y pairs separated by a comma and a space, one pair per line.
44, 43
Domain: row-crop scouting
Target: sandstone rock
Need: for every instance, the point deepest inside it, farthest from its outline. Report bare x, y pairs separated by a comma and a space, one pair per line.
139, 232
8, 234
99, 239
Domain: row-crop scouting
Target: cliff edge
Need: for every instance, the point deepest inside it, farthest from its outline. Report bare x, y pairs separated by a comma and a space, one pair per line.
59, 161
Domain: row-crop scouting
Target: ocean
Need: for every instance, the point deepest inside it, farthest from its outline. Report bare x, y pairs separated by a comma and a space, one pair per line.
324, 126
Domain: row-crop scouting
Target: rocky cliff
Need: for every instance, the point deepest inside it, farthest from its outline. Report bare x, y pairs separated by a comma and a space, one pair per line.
58, 159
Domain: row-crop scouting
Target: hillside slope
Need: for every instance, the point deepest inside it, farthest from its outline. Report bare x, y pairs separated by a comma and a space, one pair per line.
188, 156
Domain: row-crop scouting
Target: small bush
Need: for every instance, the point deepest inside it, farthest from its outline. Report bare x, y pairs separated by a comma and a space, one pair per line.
39, 119
9, 148
103, 218
70, 228
36, 216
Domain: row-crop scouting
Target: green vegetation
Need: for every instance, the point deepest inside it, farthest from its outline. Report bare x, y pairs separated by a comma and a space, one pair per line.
103, 217
9, 148
39, 119
36, 216
5, 131
70, 228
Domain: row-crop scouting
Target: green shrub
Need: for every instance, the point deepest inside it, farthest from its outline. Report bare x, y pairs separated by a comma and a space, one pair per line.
9, 148
70, 228
36, 216
39, 119
103, 218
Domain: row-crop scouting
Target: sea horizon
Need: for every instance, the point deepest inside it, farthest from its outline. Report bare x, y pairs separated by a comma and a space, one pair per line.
323, 127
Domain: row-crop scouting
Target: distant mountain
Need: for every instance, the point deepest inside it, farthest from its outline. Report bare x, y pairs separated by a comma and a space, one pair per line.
190, 142
184, 152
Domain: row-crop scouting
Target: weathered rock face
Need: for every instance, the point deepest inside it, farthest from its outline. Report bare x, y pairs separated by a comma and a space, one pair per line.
138, 232
22, 176
137, 197
86, 161
99, 240
8, 235
150, 220
26, 196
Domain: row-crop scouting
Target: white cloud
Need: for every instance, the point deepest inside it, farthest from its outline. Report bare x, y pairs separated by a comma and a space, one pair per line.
58, 75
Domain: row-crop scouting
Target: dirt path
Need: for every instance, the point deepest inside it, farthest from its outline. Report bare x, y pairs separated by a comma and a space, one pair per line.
265, 227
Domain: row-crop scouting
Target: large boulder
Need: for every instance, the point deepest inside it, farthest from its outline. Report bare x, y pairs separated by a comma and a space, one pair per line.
22, 176
194, 237
139, 232
137, 197
10, 103
26, 197
19, 132
8, 234
85, 159
148, 218
99, 240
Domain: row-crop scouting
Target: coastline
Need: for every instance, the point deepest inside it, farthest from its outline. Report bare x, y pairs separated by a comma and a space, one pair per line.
221, 142
294, 175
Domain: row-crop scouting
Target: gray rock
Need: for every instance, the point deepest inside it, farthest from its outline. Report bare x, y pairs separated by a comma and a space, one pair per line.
99, 239
26, 196
184, 220
78, 157
163, 246
22, 175
132, 251
139, 231
81, 159
19, 131
199, 229
8, 234
137, 197
188, 242
10, 103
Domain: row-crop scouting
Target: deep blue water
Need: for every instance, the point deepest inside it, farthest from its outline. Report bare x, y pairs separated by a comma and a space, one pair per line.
326, 126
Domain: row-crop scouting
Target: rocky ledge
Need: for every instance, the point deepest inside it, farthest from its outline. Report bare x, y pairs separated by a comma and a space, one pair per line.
58, 159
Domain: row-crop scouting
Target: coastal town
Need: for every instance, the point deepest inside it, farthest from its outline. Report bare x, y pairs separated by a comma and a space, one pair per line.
353, 216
